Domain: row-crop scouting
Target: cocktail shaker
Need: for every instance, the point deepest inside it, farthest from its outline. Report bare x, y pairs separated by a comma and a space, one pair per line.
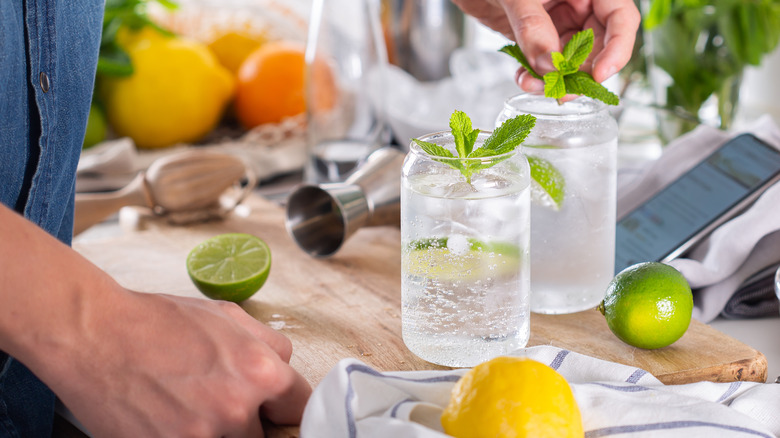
321, 217
421, 35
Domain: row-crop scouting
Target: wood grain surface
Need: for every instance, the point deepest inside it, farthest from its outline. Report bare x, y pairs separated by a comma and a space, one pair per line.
349, 305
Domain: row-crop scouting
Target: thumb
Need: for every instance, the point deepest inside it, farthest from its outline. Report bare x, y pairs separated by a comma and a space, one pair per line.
534, 32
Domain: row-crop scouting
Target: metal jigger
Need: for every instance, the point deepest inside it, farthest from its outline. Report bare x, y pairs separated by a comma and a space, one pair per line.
320, 218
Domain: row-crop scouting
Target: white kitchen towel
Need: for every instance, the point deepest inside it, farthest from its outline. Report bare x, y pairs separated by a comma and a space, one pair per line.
356, 401
736, 250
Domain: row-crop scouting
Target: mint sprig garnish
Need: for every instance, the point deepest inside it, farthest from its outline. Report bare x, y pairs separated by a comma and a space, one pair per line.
567, 79
504, 139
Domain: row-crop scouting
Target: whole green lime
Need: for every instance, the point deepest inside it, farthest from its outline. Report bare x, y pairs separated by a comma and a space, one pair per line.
648, 305
230, 267
97, 127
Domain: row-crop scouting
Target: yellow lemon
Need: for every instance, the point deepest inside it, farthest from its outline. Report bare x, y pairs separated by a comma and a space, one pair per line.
512, 397
126, 37
233, 47
177, 92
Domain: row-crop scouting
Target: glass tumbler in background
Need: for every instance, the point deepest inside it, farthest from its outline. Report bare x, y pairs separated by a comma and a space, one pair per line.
777, 286
346, 60
464, 257
572, 151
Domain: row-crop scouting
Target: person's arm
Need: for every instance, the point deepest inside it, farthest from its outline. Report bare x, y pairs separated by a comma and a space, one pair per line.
136, 364
542, 26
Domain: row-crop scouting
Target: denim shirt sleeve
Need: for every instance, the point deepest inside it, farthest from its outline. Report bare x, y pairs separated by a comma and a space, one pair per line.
48, 57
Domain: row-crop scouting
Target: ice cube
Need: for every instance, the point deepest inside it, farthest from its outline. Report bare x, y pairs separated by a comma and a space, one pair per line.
460, 189
458, 244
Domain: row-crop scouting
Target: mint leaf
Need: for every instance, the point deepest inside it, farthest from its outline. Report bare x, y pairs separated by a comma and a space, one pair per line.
659, 12
508, 136
514, 51
554, 86
464, 135
504, 139
567, 79
561, 64
583, 83
433, 149
578, 48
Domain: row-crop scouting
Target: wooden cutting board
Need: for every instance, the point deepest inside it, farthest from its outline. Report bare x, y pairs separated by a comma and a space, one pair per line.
349, 305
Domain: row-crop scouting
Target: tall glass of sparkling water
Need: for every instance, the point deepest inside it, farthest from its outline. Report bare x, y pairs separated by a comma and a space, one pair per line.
464, 258
573, 220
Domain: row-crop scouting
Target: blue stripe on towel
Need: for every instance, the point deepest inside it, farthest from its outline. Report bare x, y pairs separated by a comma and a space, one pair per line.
632, 388
731, 390
558, 361
351, 426
394, 411
635, 376
634, 428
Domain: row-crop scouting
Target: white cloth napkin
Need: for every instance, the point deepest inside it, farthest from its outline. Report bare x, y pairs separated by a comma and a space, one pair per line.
736, 250
356, 401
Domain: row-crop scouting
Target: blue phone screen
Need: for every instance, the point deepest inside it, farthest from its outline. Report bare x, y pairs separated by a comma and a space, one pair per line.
690, 203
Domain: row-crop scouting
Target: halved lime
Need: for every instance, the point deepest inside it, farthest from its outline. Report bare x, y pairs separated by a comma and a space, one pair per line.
547, 183
432, 258
229, 267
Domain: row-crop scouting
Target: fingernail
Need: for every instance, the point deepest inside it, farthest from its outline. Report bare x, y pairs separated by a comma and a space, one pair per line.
530, 84
610, 72
544, 63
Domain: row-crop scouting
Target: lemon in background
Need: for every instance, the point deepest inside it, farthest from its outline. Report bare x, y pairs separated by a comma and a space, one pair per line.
512, 397
232, 47
176, 94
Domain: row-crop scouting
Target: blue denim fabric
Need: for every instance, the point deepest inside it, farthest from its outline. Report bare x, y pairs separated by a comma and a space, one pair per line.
40, 141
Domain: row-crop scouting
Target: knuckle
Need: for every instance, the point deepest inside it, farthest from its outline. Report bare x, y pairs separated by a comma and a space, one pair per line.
235, 406
271, 375
532, 24
229, 306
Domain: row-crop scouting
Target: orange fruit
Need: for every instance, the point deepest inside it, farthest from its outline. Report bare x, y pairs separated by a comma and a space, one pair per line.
271, 84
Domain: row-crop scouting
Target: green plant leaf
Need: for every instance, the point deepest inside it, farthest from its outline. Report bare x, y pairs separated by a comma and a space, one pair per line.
577, 49
465, 136
433, 149
508, 136
583, 83
169, 4
549, 181
659, 12
514, 51
113, 61
504, 139
554, 85
567, 79
561, 64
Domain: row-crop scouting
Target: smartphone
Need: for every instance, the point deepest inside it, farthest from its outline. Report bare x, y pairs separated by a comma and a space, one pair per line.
684, 212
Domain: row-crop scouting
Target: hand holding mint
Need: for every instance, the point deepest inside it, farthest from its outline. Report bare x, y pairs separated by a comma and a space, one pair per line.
504, 139
567, 79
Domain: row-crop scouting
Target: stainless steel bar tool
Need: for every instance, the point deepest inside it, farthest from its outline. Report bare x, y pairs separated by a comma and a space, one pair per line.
320, 218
